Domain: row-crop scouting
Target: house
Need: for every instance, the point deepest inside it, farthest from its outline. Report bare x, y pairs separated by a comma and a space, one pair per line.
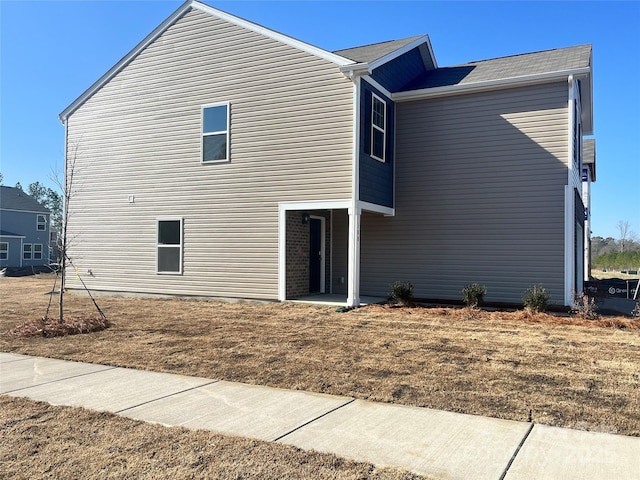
220, 158
24, 230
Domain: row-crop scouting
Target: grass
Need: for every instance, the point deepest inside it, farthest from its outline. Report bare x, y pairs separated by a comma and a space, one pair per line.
42, 441
554, 370
602, 275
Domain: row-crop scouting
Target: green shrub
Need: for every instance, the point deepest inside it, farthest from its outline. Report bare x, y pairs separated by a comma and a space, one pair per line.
402, 292
473, 294
536, 298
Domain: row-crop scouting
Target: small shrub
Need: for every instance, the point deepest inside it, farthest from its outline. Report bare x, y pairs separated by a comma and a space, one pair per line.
635, 313
536, 298
473, 294
584, 306
402, 292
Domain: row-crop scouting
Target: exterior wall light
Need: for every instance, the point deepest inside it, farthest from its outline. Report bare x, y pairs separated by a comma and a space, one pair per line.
305, 218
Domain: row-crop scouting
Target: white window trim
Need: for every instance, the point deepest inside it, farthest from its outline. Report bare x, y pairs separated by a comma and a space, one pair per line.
4, 250
383, 130
43, 223
33, 251
181, 246
227, 132
30, 245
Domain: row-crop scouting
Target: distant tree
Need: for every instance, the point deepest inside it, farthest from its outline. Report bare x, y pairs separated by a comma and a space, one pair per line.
50, 199
624, 228
18, 185
1, 179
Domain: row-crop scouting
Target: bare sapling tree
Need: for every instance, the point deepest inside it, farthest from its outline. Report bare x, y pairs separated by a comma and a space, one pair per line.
66, 186
626, 234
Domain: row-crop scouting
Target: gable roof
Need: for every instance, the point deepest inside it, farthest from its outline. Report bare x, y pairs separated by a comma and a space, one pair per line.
557, 60
12, 198
523, 69
176, 15
369, 53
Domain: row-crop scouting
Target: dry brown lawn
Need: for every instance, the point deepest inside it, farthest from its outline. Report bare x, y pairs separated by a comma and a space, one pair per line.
513, 365
42, 441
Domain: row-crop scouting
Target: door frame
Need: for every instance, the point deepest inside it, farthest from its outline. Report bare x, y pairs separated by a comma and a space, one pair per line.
323, 250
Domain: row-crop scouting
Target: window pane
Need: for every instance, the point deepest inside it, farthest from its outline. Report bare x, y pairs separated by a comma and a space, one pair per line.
26, 251
4, 251
214, 147
169, 259
42, 222
377, 149
214, 119
378, 113
169, 232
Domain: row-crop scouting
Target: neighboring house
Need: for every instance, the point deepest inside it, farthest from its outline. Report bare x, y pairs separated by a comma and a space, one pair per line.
24, 230
221, 158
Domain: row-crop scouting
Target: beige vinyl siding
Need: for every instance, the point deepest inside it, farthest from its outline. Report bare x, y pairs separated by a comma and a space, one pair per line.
479, 197
291, 140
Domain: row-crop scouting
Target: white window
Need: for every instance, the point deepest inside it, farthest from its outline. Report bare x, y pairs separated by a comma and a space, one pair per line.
27, 251
169, 246
37, 251
215, 133
41, 222
378, 127
4, 250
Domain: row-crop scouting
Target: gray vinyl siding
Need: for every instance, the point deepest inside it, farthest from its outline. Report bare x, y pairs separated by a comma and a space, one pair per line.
17, 223
291, 140
479, 197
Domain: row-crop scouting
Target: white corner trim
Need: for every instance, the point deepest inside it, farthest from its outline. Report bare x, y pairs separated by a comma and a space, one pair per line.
569, 225
282, 254
487, 85
306, 47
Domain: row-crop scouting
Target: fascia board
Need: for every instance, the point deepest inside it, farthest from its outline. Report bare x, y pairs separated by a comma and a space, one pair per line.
159, 30
487, 85
306, 47
401, 51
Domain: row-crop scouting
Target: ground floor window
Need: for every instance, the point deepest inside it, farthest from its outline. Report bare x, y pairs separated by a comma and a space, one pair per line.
169, 246
4, 250
37, 251
27, 251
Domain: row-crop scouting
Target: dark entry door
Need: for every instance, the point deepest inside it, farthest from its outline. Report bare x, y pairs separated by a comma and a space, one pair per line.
315, 254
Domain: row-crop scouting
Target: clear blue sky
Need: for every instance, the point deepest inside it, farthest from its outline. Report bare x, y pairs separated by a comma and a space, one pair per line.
51, 51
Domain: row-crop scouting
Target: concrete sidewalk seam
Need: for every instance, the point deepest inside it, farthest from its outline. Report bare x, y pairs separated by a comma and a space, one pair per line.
16, 360
60, 379
313, 420
165, 396
515, 454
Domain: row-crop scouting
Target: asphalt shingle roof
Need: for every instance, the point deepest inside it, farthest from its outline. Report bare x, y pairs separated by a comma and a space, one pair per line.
12, 198
548, 61
369, 53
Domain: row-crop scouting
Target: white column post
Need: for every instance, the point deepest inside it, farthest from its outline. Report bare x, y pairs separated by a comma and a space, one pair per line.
353, 287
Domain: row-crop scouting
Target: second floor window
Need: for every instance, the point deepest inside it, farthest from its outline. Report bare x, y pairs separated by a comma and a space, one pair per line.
41, 223
215, 133
378, 127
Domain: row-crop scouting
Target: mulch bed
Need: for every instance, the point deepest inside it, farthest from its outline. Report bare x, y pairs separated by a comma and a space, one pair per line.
51, 327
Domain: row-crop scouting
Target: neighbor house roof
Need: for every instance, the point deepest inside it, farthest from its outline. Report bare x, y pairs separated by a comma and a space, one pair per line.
12, 198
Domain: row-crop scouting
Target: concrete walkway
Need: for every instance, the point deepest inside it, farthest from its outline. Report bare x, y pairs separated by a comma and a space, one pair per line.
425, 441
